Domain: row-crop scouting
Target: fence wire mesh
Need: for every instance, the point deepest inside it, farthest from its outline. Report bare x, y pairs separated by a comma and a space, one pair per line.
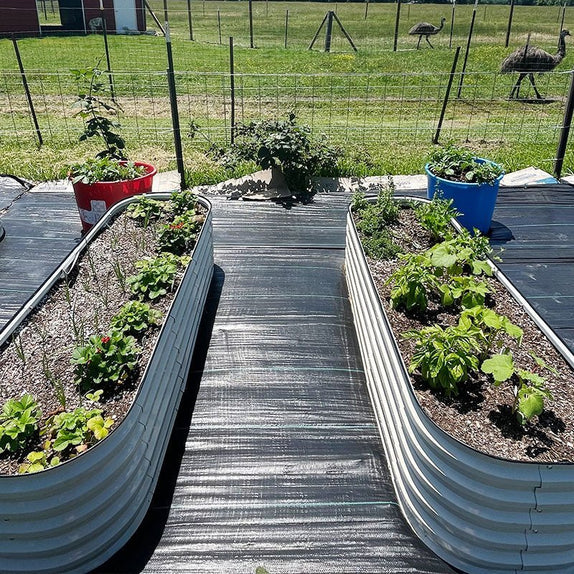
379, 112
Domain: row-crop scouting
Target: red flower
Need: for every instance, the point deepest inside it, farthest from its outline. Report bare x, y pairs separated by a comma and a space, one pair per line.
105, 340
176, 225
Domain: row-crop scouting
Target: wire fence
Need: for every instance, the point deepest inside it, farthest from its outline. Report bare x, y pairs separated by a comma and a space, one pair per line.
369, 110
373, 113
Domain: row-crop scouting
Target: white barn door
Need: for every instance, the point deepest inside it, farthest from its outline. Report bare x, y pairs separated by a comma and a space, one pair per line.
125, 12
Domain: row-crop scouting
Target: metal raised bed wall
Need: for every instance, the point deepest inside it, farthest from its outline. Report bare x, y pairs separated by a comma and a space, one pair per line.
477, 512
73, 517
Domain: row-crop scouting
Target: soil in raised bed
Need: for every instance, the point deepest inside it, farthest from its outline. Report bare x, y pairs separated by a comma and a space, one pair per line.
481, 415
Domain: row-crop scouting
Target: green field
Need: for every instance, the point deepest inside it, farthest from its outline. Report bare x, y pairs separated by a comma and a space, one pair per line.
382, 106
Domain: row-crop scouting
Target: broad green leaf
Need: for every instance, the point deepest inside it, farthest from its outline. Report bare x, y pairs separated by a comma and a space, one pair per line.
501, 367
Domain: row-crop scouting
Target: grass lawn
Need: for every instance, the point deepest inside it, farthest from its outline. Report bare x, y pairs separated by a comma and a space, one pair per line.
382, 106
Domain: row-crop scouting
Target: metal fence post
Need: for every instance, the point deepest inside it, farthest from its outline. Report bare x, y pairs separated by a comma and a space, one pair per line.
232, 88
446, 96
27, 91
511, 13
565, 130
452, 16
189, 21
467, 48
219, 24
251, 43
107, 50
173, 101
398, 17
286, 25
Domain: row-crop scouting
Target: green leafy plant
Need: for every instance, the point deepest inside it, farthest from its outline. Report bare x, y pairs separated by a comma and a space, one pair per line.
459, 164
135, 317
464, 289
179, 235
182, 202
444, 357
105, 169
77, 429
413, 282
156, 275
283, 144
144, 210
96, 112
436, 217
19, 422
530, 391
463, 252
37, 461
107, 360
489, 328
373, 221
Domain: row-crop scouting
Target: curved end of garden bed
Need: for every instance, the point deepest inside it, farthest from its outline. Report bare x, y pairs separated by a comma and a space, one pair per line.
477, 512
73, 517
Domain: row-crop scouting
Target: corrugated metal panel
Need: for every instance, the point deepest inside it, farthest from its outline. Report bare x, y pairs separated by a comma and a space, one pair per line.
479, 513
73, 517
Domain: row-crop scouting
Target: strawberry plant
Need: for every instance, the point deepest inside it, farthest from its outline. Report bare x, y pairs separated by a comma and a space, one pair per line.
145, 210
77, 429
18, 423
182, 202
37, 461
106, 361
179, 235
135, 317
156, 275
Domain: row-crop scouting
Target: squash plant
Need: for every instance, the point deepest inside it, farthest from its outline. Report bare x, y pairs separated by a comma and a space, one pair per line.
451, 277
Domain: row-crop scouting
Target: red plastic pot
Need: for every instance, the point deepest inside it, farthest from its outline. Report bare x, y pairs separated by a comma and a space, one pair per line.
95, 199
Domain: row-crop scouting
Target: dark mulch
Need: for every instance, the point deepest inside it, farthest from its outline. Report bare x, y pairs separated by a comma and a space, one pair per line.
481, 415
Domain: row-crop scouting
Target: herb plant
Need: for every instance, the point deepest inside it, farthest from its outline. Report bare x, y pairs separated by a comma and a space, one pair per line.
436, 216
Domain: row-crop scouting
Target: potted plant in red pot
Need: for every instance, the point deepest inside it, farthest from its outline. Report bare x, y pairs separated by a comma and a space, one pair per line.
471, 182
109, 177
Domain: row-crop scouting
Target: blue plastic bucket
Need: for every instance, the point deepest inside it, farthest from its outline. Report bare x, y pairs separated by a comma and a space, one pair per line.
475, 201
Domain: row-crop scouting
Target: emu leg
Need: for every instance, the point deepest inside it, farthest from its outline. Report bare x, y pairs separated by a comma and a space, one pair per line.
419, 42
428, 42
531, 78
516, 88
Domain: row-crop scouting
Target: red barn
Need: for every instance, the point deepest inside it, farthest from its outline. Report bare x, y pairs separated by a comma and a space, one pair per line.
122, 16
19, 16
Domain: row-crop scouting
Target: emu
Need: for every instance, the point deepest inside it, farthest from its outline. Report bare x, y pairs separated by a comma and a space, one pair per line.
425, 29
530, 59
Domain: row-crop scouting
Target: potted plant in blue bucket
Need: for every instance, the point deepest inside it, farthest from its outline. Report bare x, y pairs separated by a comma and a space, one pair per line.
471, 182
